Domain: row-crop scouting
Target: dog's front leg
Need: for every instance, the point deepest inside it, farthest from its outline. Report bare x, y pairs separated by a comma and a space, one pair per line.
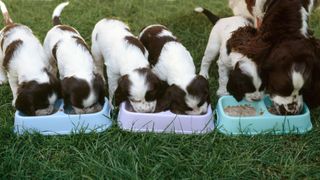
223, 71
13, 81
112, 84
3, 75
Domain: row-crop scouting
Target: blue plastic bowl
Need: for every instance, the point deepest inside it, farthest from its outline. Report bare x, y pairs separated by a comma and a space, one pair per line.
61, 123
263, 122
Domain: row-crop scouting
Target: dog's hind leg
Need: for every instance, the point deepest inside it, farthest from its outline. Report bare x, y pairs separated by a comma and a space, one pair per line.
3, 75
211, 52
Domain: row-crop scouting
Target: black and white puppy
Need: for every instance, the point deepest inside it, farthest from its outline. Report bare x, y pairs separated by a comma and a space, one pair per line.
238, 74
187, 93
24, 63
129, 74
81, 87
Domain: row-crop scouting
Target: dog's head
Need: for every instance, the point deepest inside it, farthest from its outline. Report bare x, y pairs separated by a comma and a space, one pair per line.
141, 88
245, 82
35, 98
83, 96
288, 73
193, 100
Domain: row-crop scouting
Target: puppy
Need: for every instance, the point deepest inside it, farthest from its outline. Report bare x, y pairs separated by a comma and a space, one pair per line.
238, 74
81, 87
128, 69
188, 93
22, 59
285, 53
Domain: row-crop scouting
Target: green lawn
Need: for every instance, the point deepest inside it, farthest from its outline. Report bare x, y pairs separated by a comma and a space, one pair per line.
116, 154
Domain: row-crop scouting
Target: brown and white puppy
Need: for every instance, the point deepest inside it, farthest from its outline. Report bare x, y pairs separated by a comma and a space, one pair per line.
81, 87
284, 52
188, 93
238, 74
129, 74
23, 61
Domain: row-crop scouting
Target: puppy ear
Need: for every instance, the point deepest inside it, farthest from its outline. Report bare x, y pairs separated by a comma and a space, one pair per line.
55, 84
235, 84
99, 88
165, 102
174, 100
302, 68
24, 102
122, 92
199, 87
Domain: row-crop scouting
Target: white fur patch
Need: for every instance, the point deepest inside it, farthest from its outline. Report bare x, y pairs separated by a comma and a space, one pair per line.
166, 33
294, 98
304, 28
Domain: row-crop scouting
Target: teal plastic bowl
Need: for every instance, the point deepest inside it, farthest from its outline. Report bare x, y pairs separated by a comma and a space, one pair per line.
263, 122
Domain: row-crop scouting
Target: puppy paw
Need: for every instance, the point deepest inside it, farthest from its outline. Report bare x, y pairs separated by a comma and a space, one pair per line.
222, 92
111, 105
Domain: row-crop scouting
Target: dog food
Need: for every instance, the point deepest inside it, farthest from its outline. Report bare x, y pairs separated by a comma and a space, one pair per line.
241, 110
272, 110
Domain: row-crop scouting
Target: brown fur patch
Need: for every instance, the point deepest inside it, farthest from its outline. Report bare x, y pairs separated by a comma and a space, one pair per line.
67, 28
54, 51
74, 91
173, 100
122, 92
10, 50
199, 87
56, 21
33, 96
153, 43
250, 5
81, 42
135, 42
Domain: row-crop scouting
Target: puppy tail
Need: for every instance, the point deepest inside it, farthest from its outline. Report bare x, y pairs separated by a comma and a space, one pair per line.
5, 13
213, 18
56, 13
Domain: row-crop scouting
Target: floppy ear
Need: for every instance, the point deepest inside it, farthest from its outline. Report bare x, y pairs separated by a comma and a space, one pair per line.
164, 101
24, 102
171, 95
235, 85
98, 86
302, 68
55, 84
122, 92
199, 87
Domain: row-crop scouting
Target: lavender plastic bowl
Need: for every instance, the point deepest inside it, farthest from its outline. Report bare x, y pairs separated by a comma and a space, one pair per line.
61, 123
164, 122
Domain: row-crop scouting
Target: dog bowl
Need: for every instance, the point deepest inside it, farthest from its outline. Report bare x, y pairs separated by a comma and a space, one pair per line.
262, 122
61, 123
164, 122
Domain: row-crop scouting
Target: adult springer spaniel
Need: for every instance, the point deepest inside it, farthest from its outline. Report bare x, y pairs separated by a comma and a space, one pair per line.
238, 74
188, 93
35, 90
82, 88
129, 74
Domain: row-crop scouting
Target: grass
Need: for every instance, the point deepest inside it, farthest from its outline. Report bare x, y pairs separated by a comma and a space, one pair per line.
115, 154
